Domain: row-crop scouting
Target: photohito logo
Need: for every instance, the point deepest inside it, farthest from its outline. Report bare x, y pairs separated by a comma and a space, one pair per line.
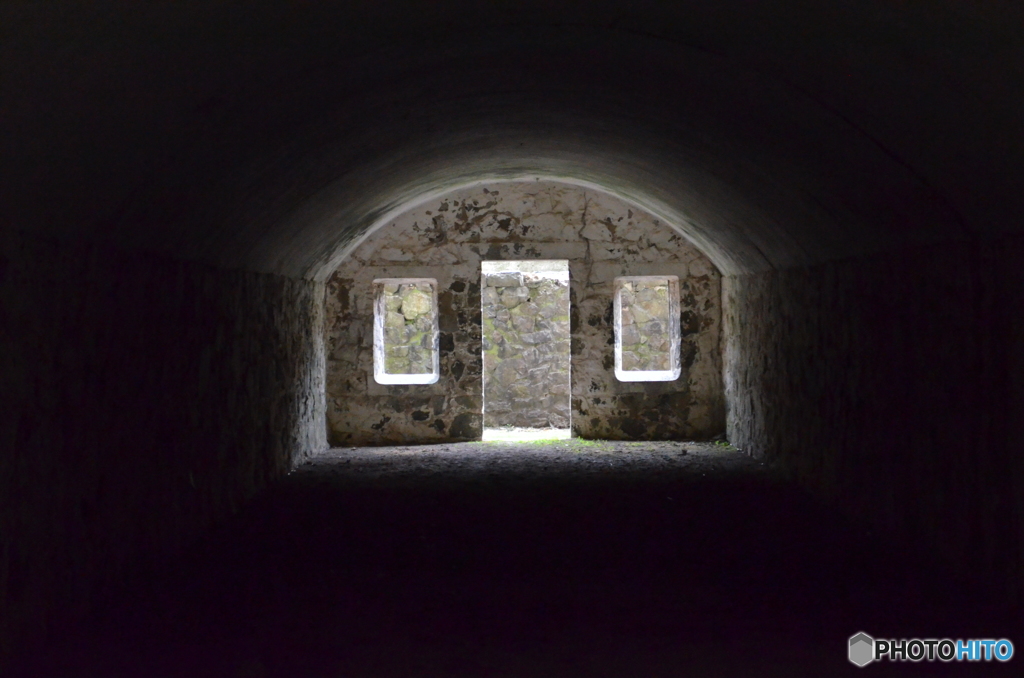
863, 649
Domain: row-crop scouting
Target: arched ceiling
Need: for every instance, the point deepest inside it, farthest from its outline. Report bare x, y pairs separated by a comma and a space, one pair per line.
268, 135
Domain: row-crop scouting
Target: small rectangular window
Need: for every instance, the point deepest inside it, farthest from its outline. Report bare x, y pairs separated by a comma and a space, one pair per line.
646, 318
405, 337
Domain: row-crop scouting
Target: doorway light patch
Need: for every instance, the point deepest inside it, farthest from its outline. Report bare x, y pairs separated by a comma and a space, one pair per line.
523, 435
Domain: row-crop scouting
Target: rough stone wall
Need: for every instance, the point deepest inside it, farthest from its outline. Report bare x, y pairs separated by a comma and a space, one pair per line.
893, 385
645, 310
142, 399
446, 239
526, 351
407, 327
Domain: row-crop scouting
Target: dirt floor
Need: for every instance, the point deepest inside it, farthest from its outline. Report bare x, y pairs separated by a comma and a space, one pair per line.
568, 558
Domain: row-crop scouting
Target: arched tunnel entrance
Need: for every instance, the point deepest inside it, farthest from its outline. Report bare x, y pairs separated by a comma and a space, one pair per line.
502, 336
638, 547
202, 458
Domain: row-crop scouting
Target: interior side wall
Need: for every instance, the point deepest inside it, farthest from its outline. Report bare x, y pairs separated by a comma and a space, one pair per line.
142, 399
895, 385
446, 239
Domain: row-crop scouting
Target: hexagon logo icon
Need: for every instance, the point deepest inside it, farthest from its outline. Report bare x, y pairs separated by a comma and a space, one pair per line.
862, 649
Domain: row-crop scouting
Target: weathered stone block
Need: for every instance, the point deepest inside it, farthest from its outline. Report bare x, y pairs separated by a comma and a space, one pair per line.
523, 323
415, 302
533, 282
521, 390
651, 328
533, 338
528, 309
466, 426
630, 335
539, 375
510, 279
397, 365
513, 296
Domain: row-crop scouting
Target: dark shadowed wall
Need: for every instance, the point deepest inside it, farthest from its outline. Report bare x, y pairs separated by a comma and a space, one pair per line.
893, 385
143, 399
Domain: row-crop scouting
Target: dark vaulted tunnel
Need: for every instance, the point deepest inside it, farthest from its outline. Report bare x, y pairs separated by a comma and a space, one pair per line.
179, 181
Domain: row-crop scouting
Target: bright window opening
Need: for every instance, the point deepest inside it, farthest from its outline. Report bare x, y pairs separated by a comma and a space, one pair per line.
405, 336
646, 312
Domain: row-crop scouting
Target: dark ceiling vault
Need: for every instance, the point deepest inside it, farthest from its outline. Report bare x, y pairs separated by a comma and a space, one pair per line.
263, 137
177, 180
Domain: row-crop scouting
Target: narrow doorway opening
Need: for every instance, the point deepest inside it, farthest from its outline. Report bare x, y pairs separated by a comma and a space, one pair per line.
525, 343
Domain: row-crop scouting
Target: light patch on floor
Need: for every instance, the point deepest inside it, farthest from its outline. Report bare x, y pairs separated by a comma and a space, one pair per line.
522, 435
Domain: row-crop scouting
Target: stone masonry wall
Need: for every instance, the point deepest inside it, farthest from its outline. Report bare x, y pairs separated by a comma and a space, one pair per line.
892, 385
645, 308
526, 350
143, 399
408, 328
447, 239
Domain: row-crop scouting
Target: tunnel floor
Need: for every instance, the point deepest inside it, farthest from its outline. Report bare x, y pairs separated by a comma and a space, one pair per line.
568, 558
